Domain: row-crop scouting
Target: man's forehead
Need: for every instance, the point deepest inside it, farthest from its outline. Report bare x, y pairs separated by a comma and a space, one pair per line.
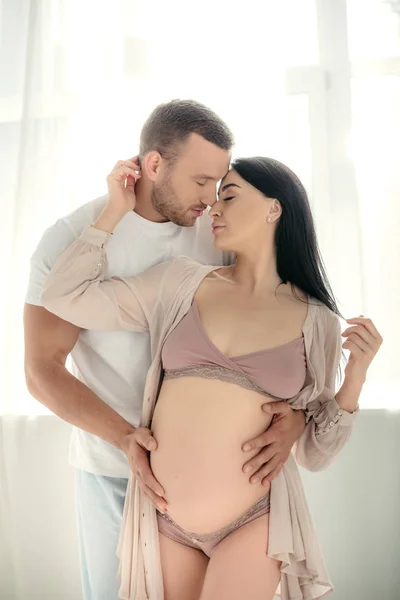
208, 176
207, 160
211, 168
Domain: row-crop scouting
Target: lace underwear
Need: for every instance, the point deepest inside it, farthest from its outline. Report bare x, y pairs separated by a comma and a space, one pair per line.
209, 537
217, 372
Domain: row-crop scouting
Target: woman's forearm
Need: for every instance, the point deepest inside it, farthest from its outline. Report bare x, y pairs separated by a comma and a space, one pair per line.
109, 219
348, 395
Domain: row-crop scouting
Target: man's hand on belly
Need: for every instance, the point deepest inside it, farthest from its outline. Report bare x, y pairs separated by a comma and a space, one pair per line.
137, 446
275, 443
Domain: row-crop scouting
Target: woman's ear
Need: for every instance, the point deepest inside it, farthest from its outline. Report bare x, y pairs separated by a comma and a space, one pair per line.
275, 211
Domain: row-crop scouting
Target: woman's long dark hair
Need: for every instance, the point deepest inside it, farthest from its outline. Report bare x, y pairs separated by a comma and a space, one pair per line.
299, 260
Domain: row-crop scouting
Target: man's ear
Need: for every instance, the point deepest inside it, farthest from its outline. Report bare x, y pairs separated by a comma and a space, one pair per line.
152, 164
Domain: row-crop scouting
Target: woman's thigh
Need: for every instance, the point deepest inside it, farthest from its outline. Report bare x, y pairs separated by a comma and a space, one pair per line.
183, 570
240, 568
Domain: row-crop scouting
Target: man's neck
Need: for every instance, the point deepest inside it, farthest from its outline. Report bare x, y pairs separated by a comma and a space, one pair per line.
144, 206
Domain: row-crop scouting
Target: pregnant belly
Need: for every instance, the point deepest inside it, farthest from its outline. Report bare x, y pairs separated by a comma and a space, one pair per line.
200, 426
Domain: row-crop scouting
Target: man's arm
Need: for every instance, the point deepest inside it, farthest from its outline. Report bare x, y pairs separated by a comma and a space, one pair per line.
48, 341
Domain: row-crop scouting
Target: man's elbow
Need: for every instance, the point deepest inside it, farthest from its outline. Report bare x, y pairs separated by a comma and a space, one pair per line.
38, 374
33, 377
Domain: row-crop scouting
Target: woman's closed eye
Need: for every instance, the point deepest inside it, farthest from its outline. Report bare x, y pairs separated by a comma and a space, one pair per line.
202, 183
229, 198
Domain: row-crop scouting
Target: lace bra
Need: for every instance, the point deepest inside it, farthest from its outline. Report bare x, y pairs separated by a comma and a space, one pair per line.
278, 372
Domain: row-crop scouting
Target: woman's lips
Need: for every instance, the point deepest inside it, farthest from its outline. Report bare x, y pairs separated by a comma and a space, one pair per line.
218, 228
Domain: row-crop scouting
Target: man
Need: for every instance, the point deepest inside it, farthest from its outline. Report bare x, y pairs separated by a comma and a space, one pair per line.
189, 150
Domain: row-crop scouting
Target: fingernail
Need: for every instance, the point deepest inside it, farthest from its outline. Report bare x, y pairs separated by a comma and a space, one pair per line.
256, 480
246, 447
247, 468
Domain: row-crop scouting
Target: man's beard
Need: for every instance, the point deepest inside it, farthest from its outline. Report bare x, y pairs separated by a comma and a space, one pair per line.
166, 203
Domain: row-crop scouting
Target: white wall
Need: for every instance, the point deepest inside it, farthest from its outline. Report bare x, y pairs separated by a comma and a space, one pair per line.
355, 504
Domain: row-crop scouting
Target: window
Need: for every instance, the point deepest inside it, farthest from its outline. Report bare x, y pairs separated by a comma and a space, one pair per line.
314, 84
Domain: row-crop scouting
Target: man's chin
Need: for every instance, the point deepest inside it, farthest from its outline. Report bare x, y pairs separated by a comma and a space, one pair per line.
191, 222
187, 221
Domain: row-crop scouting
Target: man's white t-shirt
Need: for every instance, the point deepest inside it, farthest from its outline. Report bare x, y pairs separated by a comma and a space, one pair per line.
115, 364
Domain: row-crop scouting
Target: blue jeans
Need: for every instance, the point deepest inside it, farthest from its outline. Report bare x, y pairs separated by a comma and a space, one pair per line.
100, 504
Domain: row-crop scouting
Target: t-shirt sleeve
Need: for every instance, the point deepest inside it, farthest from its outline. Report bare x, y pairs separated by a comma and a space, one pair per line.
53, 242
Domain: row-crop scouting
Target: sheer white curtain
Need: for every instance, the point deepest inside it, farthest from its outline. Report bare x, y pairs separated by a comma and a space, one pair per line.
315, 84
79, 80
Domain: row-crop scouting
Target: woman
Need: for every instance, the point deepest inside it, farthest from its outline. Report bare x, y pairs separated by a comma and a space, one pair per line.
225, 341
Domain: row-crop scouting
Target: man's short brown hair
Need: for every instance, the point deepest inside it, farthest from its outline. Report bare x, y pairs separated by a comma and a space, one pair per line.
170, 124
